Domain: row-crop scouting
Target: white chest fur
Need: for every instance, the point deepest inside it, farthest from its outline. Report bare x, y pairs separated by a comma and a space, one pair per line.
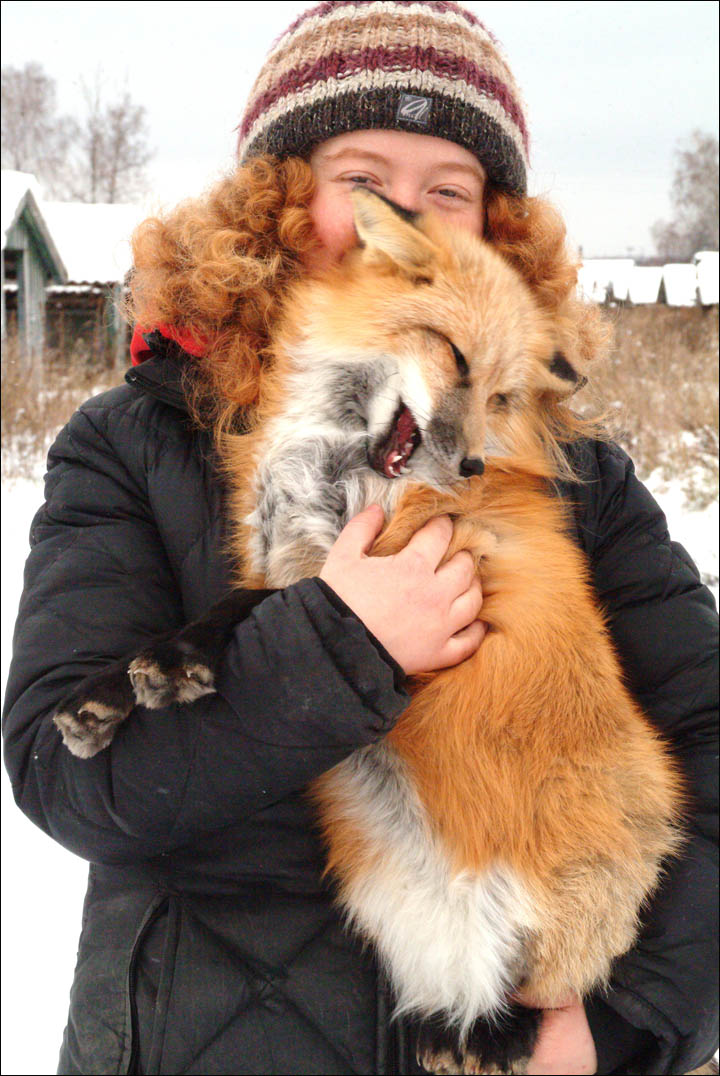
452, 943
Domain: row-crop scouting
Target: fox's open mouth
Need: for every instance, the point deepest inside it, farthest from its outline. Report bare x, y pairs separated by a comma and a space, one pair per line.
390, 456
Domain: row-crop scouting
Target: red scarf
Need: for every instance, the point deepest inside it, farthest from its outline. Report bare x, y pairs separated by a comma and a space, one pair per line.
139, 350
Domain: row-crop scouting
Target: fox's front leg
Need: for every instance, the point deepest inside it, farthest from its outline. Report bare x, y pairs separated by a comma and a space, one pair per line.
182, 667
178, 667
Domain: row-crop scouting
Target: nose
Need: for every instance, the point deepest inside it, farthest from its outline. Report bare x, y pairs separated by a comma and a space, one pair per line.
472, 465
405, 195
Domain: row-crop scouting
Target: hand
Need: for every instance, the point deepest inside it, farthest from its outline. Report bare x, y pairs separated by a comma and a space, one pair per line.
423, 613
565, 1043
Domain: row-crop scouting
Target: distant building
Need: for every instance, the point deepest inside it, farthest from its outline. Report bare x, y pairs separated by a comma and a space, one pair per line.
30, 261
84, 314
707, 264
645, 282
605, 280
679, 282
619, 280
64, 268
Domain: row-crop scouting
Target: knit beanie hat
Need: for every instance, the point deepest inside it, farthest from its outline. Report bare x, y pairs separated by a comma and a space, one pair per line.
431, 68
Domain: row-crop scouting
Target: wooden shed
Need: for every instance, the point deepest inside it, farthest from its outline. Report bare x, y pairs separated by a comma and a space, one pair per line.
30, 261
84, 318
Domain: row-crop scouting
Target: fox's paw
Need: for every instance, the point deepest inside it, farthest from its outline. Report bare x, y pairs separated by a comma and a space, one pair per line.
438, 1048
172, 672
502, 1046
88, 718
498, 1047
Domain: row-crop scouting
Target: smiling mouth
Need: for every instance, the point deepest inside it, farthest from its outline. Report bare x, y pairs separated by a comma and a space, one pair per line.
391, 456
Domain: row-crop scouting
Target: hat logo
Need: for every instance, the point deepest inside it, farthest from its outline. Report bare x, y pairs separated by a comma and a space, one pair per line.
415, 109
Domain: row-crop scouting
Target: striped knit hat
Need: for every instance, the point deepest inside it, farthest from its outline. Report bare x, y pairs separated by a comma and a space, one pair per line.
431, 68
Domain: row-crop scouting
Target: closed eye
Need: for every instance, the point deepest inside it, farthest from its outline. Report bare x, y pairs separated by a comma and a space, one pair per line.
499, 401
450, 193
357, 179
461, 361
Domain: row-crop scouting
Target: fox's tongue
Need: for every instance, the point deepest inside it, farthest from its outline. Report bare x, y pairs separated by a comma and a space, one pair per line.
400, 445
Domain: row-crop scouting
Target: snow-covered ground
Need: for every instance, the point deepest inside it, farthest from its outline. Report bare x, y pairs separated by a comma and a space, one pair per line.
43, 885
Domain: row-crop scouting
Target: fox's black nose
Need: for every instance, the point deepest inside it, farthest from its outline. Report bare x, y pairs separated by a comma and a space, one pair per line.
472, 465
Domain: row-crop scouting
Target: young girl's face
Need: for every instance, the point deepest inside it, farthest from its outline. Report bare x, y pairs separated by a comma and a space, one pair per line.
418, 172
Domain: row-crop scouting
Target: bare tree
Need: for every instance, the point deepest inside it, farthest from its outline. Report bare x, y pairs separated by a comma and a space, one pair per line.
34, 137
100, 159
112, 148
694, 196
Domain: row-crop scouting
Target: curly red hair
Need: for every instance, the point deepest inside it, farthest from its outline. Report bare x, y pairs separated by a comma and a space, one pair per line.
220, 267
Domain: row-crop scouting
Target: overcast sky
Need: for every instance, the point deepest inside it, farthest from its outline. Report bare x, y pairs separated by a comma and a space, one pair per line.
610, 88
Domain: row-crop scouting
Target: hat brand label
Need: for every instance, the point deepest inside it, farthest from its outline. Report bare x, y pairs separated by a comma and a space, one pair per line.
414, 109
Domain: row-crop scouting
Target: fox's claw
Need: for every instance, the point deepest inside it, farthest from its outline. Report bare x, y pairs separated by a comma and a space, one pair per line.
500, 1047
170, 676
89, 717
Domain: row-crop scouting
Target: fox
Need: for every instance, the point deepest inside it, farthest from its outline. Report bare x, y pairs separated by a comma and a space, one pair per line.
505, 835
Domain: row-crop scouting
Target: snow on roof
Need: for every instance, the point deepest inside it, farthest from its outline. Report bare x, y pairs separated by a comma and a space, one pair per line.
680, 282
644, 285
600, 278
707, 265
15, 186
94, 238
21, 193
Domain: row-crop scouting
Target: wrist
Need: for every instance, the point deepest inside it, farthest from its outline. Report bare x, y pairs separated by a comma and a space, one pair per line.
565, 1043
399, 675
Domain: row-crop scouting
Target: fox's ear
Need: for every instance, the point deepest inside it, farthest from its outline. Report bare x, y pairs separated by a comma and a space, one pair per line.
560, 376
389, 232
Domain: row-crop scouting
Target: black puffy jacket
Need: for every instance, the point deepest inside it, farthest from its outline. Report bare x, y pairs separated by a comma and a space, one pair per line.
209, 942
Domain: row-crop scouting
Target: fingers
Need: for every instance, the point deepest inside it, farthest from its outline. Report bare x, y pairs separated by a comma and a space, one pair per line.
466, 607
462, 645
357, 536
431, 541
395, 595
458, 573
464, 591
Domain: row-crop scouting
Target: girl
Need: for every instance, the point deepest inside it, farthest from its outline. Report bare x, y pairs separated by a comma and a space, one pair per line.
210, 943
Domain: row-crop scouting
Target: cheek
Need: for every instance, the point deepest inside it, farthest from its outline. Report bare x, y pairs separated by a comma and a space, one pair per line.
472, 219
332, 215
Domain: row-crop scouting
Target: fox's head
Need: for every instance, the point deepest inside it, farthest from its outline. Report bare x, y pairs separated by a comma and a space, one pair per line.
434, 343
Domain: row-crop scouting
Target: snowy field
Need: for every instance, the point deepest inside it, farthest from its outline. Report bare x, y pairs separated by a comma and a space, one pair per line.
43, 885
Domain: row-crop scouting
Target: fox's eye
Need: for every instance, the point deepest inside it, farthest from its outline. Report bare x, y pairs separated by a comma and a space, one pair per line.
463, 368
499, 401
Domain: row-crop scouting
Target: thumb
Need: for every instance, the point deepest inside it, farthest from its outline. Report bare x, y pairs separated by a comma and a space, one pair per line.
357, 536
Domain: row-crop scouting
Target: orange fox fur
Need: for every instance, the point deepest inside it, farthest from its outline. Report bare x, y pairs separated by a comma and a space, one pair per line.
531, 754
532, 751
